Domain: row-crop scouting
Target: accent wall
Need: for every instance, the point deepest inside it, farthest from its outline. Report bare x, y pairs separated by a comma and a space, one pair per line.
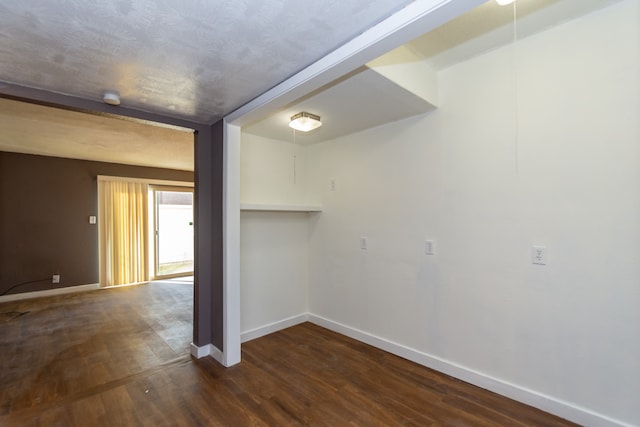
45, 204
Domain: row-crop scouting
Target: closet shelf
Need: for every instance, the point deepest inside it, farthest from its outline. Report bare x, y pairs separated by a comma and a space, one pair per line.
259, 207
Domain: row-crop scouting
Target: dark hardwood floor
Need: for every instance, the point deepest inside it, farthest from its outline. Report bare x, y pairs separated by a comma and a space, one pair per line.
119, 357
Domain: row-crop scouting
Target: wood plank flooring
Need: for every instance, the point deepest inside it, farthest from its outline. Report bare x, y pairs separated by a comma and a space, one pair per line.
119, 357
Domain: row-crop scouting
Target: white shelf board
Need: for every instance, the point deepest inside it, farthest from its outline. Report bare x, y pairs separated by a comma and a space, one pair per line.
279, 208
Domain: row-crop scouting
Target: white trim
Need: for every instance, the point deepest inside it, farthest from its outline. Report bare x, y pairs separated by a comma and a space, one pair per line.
50, 292
207, 350
124, 285
231, 244
274, 327
149, 181
405, 25
259, 207
533, 398
199, 352
217, 355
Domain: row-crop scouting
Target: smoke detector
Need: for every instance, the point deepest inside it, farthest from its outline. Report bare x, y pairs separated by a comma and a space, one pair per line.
111, 98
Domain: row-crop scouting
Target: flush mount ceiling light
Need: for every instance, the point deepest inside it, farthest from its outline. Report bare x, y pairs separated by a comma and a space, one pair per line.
504, 2
305, 122
111, 98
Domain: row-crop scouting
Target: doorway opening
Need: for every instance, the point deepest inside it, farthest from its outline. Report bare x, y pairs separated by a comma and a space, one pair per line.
173, 231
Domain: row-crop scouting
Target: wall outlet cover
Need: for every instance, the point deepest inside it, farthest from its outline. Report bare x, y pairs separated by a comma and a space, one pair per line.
539, 255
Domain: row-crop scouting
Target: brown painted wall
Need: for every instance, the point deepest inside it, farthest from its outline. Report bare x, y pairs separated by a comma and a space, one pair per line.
45, 203
209, 278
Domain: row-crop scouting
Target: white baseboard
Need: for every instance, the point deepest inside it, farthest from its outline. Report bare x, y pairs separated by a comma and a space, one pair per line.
199, 352
533, 398
50, 292
217, 355
207, 350
274, 327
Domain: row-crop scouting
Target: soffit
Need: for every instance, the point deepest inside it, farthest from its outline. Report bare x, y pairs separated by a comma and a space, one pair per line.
357, 102
365, 100
490, 26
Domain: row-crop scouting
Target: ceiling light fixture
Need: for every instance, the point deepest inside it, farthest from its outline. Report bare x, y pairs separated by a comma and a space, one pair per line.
305, 122
504, 2
111, 98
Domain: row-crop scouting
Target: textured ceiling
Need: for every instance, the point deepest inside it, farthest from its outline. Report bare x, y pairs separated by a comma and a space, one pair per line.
193, 59
37, 129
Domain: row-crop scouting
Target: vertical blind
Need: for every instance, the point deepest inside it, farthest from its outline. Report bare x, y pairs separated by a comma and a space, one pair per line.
124, 232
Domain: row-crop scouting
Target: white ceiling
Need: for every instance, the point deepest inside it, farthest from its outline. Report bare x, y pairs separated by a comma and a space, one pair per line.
192, 59
359, 101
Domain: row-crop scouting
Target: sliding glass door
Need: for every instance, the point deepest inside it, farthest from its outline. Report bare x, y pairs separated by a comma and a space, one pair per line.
173, 233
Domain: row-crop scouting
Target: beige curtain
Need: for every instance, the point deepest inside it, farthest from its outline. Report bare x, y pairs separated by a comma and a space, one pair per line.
124, 232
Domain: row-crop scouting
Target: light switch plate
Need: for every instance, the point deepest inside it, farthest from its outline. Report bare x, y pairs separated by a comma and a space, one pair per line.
429, 247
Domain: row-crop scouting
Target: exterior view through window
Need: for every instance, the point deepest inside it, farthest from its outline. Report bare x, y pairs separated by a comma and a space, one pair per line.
173, 231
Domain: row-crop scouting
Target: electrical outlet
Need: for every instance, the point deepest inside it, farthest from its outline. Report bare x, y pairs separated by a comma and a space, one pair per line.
55, 278
332, 184
539, 255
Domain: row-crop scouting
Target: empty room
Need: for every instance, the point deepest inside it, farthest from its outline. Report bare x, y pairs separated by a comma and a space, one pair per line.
402, 213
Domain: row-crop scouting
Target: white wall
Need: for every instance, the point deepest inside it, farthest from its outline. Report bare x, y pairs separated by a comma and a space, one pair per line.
274, 245
273, 172
570, 180
274, 267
